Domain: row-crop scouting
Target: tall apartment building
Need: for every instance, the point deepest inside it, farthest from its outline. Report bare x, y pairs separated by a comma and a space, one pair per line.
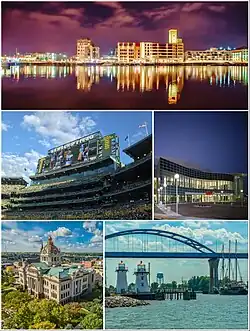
172, 36
86, 51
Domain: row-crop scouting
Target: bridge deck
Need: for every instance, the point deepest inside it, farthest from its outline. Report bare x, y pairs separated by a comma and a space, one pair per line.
174, 255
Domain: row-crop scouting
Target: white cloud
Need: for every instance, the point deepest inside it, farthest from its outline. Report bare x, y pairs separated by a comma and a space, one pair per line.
60, 232
56, 128
35, 239
20, 165
203, 233
197, 224
5, 126
44, 142
92, 227
16, 240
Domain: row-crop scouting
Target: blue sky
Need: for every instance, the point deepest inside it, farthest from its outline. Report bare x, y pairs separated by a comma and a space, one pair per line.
69, 236
210, 233
26, 136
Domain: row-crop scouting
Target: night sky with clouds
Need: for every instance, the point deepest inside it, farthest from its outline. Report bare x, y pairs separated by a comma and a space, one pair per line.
76, 236
55, 26
210, 233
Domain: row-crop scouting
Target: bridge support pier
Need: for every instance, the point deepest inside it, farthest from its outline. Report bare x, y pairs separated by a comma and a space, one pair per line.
213, 273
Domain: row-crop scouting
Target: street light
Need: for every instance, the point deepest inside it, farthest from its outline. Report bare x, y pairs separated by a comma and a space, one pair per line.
161, 188
165, 188
176, 177
241, 195
158, 195
221, 196
165, 192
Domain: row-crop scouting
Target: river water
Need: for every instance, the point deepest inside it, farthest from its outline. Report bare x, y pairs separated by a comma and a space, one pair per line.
207, 312
124, 87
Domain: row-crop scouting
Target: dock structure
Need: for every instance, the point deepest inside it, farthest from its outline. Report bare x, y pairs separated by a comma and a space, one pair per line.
178, 294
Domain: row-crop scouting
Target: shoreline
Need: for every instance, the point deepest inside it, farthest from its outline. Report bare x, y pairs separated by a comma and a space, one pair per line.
119, 301
60, 64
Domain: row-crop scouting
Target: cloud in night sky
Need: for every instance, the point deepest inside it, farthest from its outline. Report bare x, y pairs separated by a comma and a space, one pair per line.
45, 26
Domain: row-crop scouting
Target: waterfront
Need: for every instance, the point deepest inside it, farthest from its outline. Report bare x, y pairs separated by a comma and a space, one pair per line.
124, 87
207, 312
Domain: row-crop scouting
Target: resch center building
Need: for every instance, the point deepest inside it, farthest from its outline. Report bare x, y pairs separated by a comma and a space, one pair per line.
194, 185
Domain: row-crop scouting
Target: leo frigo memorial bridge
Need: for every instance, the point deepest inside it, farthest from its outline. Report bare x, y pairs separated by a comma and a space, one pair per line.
168, 245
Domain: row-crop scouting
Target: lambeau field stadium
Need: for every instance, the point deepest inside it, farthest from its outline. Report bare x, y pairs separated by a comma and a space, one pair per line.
84, 179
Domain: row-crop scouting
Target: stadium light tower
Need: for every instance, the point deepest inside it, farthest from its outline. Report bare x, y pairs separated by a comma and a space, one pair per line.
144, 125
176, 177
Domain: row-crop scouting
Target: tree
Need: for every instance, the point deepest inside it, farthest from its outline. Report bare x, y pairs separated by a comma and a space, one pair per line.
21, 319
92, 321
111, 289
15, 299
131, 287
43, 326
174, 284
154, 287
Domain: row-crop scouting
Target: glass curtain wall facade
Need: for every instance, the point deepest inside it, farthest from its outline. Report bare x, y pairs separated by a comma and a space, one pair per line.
194, 185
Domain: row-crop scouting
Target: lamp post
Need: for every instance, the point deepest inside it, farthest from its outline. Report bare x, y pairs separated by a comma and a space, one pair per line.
241, 196
176, 177
222, 196
165, 189
165, 192
158, 195
161, 188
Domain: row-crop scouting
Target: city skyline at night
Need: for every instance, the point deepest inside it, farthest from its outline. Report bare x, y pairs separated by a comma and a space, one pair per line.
55, 27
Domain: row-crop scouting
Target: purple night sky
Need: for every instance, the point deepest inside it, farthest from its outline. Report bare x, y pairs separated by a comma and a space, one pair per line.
215, 141
55, 26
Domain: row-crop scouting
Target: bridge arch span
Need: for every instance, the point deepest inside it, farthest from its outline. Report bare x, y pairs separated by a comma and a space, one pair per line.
166, 234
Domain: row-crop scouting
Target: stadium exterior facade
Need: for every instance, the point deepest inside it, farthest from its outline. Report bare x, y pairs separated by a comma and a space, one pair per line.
84, 178
194, 185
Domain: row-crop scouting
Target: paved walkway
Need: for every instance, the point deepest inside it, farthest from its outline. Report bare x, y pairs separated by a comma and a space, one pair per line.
162, 212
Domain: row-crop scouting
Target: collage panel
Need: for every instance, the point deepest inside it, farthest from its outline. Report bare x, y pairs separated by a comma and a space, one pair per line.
124, 165
120, 55
77, 165
201, 165
52, 275
176, 275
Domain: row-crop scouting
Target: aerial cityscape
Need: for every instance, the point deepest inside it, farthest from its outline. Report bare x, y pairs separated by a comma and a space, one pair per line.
164, 57
171, 270
52, 275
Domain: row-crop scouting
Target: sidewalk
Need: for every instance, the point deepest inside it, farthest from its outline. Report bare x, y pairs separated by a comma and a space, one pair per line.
167, 213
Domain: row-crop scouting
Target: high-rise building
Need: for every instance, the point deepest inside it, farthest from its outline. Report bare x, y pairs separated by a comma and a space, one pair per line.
175, 47
86, 51
172, 36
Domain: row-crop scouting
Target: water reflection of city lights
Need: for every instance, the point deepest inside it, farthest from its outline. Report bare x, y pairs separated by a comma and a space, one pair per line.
138, 78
